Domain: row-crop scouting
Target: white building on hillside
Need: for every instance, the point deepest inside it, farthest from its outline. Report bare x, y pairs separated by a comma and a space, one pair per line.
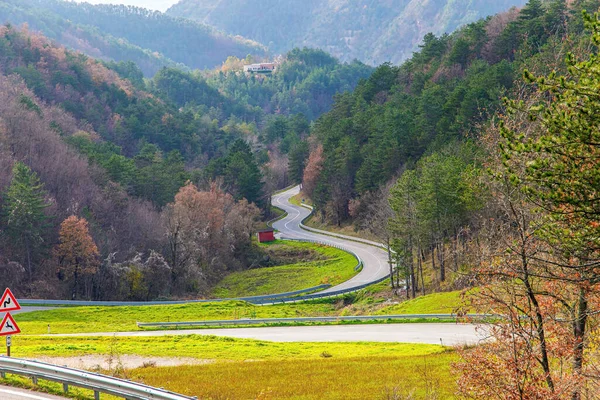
260, 68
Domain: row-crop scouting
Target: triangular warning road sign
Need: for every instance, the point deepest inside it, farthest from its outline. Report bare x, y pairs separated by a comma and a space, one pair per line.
9, 326
9, 302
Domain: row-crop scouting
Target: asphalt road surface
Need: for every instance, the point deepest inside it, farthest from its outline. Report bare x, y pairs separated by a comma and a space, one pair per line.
10, 393
448, 334
375, 259
25, 309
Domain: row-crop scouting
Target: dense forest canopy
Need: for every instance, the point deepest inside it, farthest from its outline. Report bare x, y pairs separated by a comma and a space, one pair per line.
475, 163
440, 97
133, 145
352, 134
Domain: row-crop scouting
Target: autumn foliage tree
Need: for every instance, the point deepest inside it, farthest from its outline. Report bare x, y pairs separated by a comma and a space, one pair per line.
314, 165
208, 234
545, 281
77, 256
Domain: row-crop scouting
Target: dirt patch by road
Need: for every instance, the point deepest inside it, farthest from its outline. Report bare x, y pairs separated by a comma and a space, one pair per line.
106, 363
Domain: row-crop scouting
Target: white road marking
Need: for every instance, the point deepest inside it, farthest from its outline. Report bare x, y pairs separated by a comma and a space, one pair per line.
24, 395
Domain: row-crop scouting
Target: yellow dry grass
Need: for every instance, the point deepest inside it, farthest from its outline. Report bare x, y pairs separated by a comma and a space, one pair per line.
326, 378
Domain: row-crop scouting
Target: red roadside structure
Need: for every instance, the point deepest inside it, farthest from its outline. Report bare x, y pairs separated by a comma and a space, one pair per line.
266, 235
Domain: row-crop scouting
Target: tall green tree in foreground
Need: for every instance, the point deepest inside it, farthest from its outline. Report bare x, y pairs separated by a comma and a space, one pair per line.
23, 215
551, 160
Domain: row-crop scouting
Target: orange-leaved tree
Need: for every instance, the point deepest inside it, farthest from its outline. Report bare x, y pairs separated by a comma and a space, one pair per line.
77, 255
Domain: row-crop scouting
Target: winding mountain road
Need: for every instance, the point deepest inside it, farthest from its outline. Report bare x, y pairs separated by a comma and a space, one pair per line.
375, 259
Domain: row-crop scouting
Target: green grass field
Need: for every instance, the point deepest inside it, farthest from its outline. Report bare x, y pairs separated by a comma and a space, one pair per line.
243, 368
122, 319
332, 266
435, 303
208, 347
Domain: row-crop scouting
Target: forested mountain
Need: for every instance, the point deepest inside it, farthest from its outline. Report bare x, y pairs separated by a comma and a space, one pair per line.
272, 111
83, 150
441, 96
416, 137
371, 31
153, 150
305, 82
121, 33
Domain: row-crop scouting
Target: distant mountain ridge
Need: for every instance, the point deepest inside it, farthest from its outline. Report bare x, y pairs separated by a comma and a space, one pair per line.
371, 31
149, 38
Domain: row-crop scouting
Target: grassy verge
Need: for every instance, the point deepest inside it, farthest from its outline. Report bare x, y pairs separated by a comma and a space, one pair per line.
122, 319
277, 213
209, 348
389, 377
435, 303
372, 300
333, 266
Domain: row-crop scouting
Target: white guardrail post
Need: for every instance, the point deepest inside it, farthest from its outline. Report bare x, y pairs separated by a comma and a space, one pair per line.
84, 379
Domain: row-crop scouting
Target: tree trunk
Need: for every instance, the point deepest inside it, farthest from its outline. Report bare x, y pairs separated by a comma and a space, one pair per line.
421, 271
579, 325
442, 266
28, 255
455, 250
539, 325
75, 283
411, 265
390, 262
433, 246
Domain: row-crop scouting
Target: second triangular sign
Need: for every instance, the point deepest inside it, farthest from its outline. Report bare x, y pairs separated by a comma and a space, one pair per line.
9, 302
9, 326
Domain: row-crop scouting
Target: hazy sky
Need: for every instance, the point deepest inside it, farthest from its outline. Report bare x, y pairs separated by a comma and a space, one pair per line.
160, 5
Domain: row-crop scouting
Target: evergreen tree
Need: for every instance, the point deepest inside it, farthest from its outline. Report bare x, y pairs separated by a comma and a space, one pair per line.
24, 215
242, 176
297, 161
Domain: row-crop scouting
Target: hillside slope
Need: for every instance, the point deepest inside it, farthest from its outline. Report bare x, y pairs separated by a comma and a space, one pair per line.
371, 31
122, 33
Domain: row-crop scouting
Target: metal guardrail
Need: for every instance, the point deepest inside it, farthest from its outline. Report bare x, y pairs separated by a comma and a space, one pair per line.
250, 299
84, 379
354, 318
320, 296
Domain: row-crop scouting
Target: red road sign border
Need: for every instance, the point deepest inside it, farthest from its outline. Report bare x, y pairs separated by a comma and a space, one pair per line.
9, 293
7, 317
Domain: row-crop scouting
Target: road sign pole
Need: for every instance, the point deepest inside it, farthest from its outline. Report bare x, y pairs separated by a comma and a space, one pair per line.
8, 344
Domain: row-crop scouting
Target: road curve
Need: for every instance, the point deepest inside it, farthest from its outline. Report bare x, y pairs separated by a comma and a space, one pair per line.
447, 334
11, 393
375, 259
375, 264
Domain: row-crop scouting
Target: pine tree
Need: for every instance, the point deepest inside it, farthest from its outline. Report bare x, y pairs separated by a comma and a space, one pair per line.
557, 167
24, 214
297, 160
242, 175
